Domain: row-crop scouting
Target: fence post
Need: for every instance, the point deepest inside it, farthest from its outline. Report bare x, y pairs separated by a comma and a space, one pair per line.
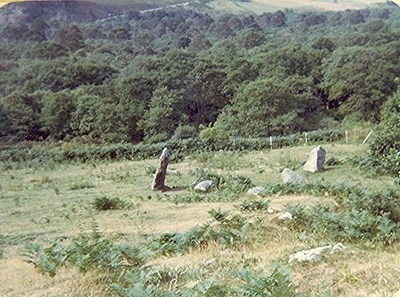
368, 136
270, 142
347, 136
306, 136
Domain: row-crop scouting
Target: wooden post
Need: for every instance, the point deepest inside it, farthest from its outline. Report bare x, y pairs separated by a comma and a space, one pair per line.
347, 136
368, 136
270, 142
306, 136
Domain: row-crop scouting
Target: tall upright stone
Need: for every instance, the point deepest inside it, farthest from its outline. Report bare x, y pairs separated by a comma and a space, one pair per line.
315, 160
159, 177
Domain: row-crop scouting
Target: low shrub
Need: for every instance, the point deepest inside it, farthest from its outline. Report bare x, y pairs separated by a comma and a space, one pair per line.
106, 203
253, 205
316, 189
361, 216
81, 186
86, 252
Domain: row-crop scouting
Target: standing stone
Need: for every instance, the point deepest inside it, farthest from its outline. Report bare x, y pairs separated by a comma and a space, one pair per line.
316, 160
159, 177
289, 176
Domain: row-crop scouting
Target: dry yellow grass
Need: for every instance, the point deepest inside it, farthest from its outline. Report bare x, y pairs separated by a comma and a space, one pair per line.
38, 204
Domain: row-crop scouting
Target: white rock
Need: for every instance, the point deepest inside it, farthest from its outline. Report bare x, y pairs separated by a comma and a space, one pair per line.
314, 254
173, 172
286, 216
289, 176
272, 210
255, 191
204, 186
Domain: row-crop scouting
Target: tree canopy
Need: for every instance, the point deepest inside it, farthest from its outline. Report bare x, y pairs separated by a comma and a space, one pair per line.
143, 77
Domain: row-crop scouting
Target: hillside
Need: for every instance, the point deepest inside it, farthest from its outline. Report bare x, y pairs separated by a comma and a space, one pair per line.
70, 11
182, 73
261, 6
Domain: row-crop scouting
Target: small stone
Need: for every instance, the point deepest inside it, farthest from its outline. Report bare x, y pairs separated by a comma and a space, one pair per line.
286, 216
173, 172
315, 160
257, 191
289, 176
272, 210
204, 186
314, 254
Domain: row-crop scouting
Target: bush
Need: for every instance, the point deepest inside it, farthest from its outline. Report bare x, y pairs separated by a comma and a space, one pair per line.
213, 138
253, 205
276, 284
362, 216
86, 252
385, 150
106, 203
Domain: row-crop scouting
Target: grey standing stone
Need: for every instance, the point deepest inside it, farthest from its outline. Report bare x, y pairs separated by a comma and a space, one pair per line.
316, 160
204, 186
159, 177
289, 176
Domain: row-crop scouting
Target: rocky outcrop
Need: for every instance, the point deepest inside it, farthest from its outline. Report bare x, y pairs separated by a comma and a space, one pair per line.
314, 254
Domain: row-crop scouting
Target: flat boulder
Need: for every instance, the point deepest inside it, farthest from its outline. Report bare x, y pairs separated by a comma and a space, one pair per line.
316, 253
257, 191
286, 216
204, 186
289, 176
315, 160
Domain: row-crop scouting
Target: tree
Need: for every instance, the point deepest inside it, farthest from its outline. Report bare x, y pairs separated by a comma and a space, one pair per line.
47, 50
38, 29
84, 118
21, 112
199, 42
386, 147
162, 118
120, 34
358, 80
268, 106
74, 38
278, 19
5, 123
250, 38
57, 113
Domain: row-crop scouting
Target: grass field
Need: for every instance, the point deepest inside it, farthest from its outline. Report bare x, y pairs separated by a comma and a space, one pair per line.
54, 202
261, 6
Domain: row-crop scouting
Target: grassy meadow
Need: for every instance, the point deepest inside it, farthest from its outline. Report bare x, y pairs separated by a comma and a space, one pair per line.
55, 203
261, 6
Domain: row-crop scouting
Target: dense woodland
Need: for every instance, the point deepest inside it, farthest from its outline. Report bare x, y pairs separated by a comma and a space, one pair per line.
173, 73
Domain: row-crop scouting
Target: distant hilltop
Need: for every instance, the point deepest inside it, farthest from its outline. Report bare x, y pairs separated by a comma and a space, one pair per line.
21, 11
67, 10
